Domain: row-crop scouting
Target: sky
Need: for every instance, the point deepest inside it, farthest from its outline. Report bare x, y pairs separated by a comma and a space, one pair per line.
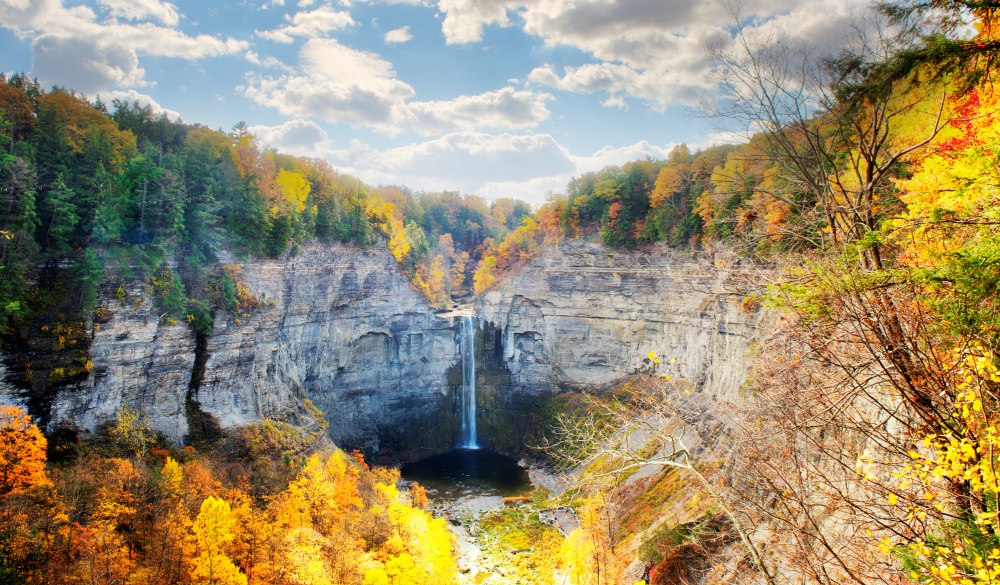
489, 97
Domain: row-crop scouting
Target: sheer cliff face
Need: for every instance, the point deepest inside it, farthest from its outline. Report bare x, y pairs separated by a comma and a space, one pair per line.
582, 316
340, 326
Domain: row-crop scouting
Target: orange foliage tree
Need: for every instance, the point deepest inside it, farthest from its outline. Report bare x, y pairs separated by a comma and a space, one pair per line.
22, 451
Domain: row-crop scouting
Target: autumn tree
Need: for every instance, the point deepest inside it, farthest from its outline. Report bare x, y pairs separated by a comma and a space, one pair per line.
18, 247
213, 529
22, 451
885, 326
131, 432
17, 111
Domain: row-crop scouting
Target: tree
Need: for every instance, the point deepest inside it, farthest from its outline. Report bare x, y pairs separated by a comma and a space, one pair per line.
943, 47
872, 410
15, 108
294, 188
671, 180
213, 529
59, 218
172, 476
836, 156
131, 432
840, 158
18, 249
419, 246
22, 452
484, 276
88, 271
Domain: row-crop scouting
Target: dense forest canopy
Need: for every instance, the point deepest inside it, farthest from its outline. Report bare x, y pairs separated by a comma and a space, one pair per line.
92, 192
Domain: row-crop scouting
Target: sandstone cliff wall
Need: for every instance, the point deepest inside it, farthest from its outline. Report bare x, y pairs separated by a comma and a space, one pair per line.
582, 316
340, 326
343, 327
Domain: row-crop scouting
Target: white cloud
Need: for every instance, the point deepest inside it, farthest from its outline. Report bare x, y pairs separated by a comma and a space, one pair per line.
464, 19
343, 85
463, 161
338, 84
506, 108
18, 15
527, 166
298, 137
86, 64
649, 50
615, 156
534, 191
615, 101
165, 12
270, 62
721, 137
398, 36
50, 17
140, 98
72, 47
656, 88
309, 24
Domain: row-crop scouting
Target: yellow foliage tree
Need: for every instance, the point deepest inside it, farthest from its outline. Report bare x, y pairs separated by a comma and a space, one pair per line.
213, 529
669, 181
105, 558
419, 549
434, 278
245, 153
330, 488
484, 276
577, 555
305, 558
172, 475
294, 189
399, 244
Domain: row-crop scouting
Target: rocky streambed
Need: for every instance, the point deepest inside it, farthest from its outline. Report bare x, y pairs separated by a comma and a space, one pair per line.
489, 502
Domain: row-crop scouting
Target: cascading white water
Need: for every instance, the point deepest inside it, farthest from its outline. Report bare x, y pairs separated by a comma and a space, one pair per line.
468, 346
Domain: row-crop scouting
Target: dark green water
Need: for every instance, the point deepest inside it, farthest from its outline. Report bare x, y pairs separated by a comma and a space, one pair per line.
469, 472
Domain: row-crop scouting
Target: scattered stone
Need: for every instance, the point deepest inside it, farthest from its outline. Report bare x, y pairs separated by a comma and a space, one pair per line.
563, 519
475, 506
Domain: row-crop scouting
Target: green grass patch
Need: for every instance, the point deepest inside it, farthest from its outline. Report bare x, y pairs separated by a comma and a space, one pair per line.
516, 540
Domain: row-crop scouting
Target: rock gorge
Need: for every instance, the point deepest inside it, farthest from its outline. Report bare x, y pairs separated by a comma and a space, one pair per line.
582, 317
342, 327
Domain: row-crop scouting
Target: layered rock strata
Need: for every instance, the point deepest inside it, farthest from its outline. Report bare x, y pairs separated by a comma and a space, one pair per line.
342, 326
581, 316
339, 325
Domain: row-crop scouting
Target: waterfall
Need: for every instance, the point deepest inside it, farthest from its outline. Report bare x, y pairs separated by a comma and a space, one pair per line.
468, 347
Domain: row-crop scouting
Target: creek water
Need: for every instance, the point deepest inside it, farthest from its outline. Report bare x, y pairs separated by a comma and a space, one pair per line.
469, 472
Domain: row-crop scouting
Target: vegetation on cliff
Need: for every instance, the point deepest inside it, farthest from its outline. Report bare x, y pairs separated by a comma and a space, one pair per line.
92, 195
863, 447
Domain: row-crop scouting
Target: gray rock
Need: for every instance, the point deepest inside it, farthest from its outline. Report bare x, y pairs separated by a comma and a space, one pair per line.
583, 316
343, 327
340, 325
474, 506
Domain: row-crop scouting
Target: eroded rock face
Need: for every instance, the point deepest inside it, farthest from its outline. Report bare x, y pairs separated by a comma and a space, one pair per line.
582, 316
340, 326
343, 327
